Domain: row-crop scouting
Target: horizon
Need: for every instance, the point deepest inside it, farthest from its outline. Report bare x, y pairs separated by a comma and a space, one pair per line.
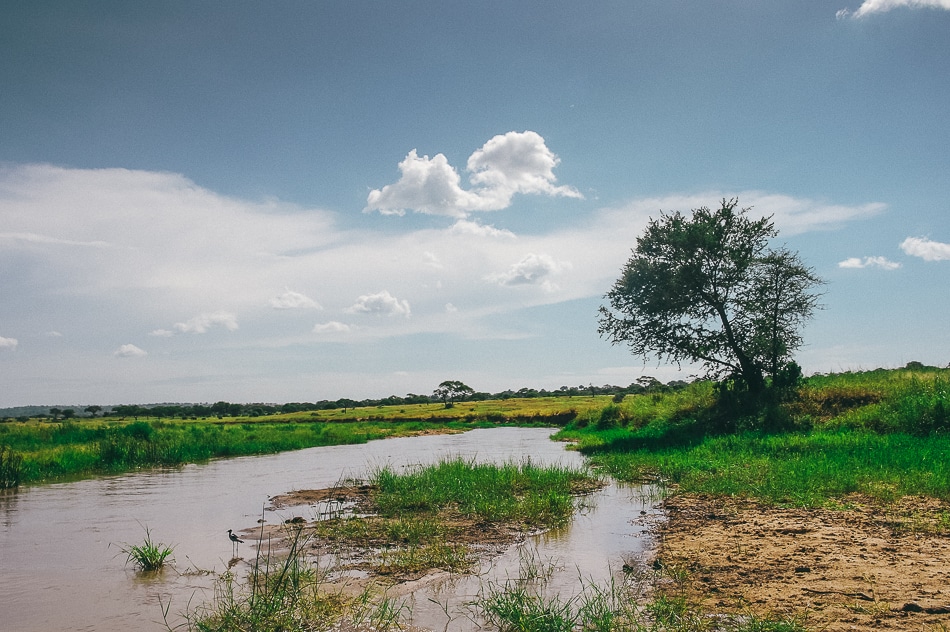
288, 203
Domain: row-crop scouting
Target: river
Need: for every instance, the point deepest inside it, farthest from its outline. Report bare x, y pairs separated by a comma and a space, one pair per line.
62, 568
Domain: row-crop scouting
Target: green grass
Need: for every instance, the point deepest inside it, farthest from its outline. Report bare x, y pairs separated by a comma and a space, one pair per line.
525, 493
148, 556
288, 592
36, 450
880, 433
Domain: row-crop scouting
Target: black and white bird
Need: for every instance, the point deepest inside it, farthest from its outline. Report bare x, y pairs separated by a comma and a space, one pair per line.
235, 541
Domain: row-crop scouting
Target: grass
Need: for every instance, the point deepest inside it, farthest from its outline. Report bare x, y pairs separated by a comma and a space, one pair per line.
525, 604
37, 451
524, 493
429, 516
882, 434
289, 592
148, 556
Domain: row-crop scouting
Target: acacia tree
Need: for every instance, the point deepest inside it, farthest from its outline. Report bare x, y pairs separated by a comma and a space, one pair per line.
451, 390
709, 289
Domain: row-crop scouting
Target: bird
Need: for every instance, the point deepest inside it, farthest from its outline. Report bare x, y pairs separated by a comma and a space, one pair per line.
235, 541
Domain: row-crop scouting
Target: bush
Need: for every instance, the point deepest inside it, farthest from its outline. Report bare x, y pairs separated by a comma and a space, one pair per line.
611, 416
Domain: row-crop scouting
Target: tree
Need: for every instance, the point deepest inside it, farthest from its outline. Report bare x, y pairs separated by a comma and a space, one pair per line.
451, 390
92, 410
709, 289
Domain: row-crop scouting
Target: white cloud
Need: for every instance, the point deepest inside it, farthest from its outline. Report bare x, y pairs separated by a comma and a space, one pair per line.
129, 351
293, 300
869, 7
869, 262
926, 249
532, 269
8, 343
466, 227
382, 303
431, 259
792, 216
516, 162
331, 327
200, 324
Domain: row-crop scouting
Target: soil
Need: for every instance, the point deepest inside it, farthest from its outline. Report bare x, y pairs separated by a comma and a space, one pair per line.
863, 566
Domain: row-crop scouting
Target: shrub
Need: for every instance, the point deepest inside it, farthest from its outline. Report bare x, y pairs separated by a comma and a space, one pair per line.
11, 467
611, 416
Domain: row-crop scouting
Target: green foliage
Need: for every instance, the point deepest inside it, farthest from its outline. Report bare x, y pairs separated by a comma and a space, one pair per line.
148, 556
708, 289
524, 493
11, 468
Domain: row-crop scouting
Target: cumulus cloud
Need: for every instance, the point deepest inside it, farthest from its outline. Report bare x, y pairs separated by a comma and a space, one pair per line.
8, 343
293, 300
331, 327
129, 351
382, 303
200, 324
926, 249
532, 269
516, 162
869, 7
869, 262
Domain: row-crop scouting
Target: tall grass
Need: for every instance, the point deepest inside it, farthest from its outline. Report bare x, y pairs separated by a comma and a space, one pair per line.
11, 467
884, 434
523, 492
289, 592
51, 451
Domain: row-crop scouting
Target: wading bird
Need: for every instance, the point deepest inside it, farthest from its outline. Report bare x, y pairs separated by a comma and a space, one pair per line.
236, 542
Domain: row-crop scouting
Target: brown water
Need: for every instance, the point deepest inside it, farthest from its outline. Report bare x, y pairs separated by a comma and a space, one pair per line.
61, 567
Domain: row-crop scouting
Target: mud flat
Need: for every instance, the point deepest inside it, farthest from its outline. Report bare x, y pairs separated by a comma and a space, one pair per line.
864, 566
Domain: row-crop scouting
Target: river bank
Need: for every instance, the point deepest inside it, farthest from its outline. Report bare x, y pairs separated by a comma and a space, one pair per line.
862, 566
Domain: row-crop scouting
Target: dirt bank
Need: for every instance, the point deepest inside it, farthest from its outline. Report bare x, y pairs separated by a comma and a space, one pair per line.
862, 567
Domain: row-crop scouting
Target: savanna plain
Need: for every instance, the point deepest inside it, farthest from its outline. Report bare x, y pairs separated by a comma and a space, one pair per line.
829, 509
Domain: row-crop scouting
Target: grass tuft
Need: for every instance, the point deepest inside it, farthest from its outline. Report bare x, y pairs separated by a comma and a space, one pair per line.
148, 556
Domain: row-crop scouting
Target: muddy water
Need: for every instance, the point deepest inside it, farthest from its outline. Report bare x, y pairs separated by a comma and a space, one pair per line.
61, 567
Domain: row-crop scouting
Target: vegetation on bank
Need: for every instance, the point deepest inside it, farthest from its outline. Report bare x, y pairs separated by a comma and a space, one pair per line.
883, 434
40, 450
406, 524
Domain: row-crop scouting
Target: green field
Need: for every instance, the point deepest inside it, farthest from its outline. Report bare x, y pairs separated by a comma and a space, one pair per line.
43, 450
884, 433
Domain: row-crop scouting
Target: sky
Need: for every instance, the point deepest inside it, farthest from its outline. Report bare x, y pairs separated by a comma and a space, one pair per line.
306, 200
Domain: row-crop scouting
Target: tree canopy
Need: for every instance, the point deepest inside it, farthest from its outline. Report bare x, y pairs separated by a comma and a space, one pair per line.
709, 289
451, 390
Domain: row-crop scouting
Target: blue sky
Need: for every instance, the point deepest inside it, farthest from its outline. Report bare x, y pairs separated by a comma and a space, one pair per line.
296, 201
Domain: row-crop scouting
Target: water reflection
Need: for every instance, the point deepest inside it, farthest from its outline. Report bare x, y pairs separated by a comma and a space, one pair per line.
62, 567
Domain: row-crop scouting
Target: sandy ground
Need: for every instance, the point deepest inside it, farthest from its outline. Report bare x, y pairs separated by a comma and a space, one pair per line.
863, 567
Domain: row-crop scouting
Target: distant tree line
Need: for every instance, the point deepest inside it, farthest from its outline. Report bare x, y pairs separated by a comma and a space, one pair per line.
439, 396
